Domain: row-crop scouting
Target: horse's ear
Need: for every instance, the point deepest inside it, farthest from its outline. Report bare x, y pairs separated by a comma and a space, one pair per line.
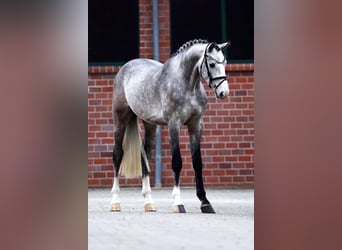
211, 47
223, 46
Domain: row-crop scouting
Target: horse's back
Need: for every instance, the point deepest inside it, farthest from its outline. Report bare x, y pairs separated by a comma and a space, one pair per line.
138, 67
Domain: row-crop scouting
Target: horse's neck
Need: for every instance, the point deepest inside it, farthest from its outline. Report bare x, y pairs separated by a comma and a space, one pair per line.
190, 63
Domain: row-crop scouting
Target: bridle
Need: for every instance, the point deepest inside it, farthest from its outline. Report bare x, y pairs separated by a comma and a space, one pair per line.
211, 78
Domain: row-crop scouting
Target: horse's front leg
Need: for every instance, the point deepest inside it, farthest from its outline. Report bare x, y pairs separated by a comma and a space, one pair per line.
174, 128
195, 132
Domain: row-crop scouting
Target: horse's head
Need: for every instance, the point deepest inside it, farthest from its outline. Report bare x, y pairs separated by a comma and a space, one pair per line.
212, 69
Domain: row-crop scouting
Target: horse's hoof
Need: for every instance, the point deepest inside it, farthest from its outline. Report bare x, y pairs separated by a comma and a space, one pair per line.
178, 209
115, 207
207, 209
149, 207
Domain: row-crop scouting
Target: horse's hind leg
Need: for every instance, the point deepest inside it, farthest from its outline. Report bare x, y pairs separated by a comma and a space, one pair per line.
117, 157
121, 119
115, 202
119, 131
150, 131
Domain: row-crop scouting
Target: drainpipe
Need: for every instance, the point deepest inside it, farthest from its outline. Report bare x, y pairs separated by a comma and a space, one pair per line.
158, 156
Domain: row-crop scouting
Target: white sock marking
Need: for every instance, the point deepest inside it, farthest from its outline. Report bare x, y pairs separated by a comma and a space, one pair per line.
146, 190
176, 194
115, 191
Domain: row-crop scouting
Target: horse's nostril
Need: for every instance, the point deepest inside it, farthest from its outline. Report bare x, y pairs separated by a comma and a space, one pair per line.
222, 94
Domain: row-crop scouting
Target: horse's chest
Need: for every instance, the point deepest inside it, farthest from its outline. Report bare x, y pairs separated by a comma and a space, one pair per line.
191, 108
182, 104
196, 106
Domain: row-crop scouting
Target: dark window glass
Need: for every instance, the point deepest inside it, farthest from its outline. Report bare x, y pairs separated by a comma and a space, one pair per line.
113, 31
215, 20
194, 19
240, 29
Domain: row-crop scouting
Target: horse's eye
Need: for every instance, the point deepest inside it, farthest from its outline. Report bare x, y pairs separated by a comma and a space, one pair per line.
211, 65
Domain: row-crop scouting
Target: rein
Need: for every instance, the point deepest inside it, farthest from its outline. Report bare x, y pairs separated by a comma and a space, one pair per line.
211, 78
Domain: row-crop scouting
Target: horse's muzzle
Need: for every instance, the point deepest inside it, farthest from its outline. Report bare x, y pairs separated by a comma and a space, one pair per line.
222, 94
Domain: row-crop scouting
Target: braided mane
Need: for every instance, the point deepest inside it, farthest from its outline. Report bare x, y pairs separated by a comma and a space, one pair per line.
188, 44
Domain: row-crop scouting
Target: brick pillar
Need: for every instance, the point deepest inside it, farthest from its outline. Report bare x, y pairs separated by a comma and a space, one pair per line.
164, 29
145, 29
146, 32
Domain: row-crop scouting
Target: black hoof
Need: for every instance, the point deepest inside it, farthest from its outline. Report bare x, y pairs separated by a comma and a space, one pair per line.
179, 209
207, 209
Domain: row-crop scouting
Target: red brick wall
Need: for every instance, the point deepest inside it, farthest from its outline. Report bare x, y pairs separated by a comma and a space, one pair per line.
228, 136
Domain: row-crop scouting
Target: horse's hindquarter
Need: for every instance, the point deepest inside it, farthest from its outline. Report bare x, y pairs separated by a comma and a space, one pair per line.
141, 87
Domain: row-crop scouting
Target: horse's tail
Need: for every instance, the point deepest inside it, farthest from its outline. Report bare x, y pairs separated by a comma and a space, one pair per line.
133, 151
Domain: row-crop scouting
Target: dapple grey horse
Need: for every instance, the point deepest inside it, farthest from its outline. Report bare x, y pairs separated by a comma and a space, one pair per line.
169, 94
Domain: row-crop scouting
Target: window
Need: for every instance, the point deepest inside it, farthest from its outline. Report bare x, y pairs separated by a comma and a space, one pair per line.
215, 20
113, 31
